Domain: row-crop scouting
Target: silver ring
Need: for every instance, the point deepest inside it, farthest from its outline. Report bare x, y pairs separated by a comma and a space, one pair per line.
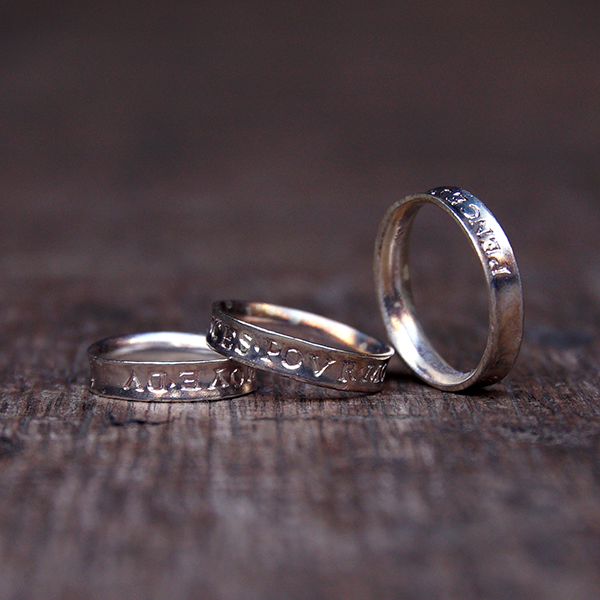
502, 276
165, 366
327, 353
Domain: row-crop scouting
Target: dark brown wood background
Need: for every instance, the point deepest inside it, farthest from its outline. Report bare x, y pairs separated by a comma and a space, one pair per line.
156, 156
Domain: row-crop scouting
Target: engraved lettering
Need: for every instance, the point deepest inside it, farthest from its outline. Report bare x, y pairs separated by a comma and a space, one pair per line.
291, 359
237, 378
244, 344
470, 212
250, 375
365, 374
490, 245
370, 373
273, 349
216, 329
366, 377
319, 369
358, 373
228, 338
347, 372
378, 375
220, 379
189, 380
456, 199
452, 196
497, 268
485, 235
481, 230
157, 382
133, 383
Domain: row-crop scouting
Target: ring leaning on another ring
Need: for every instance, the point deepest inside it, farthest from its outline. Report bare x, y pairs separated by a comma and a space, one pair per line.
313, 349
165, 366
502, 277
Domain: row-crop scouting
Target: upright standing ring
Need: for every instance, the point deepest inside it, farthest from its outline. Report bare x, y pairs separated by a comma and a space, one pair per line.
165, 366
298, 344
502, 277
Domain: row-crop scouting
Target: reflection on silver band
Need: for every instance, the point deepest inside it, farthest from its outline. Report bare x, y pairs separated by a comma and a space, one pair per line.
165, 367
501, 273
313, 349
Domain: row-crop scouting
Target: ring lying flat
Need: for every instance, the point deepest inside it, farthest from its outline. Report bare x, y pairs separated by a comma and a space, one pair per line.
502, 277
165, 367
332, 355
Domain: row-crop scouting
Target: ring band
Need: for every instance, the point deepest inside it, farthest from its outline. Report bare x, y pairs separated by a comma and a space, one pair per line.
502, 277
165, 367
332, 355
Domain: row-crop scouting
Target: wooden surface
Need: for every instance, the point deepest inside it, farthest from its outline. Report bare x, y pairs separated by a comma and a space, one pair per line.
155, 158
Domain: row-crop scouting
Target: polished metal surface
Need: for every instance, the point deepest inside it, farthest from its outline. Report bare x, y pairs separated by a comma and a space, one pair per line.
501, 273
165, 367
299, 345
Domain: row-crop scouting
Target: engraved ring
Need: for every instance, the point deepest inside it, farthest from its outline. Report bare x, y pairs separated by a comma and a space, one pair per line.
505, 305
165, 366
298, 344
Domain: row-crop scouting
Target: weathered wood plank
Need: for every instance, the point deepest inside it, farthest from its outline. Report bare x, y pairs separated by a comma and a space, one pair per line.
292, 492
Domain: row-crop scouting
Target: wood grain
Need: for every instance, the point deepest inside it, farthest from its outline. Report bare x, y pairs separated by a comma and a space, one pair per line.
157, 159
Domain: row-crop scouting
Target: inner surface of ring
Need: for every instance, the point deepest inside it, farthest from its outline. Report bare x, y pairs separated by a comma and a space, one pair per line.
408, 332
305, 326
155, 347
300, 331
154, 354
448, 326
